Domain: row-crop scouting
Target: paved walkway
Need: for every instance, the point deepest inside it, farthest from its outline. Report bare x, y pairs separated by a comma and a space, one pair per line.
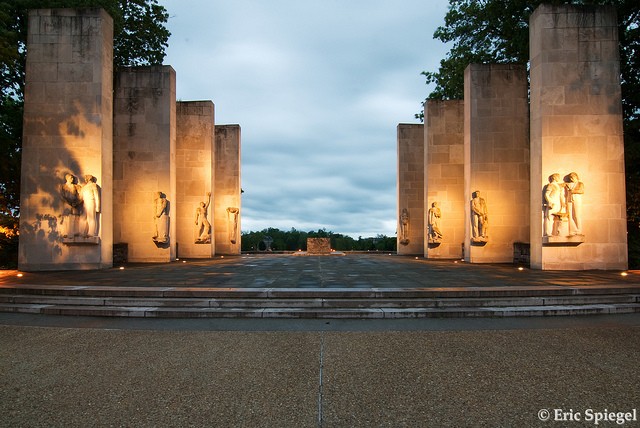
80, 372
349, 271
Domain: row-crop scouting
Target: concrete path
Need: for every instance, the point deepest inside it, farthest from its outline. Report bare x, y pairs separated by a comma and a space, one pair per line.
291, 373
80, 372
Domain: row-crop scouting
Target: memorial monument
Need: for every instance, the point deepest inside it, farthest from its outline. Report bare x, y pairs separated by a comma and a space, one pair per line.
100, 161
444, 177
195, 153
410, 192
66, 218
578, 202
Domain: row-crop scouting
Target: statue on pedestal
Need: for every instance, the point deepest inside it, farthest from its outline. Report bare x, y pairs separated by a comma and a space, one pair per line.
435, 235
203, 227
232, 216
574, 189
70, 192
404, 227
479, 218
161, 219
91, 201
552, 203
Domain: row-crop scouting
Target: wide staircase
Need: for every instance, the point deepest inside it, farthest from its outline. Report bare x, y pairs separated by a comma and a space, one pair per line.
185, 302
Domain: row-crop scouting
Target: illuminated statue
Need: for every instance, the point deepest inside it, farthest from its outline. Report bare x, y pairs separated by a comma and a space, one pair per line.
203, 227
404, 227
70, 192
574, 190
479, 218
232, 216
161, 218
553, 202
435, 235
91, 200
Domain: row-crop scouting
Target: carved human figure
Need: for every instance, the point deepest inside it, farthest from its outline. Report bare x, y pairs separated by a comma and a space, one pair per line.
70, 192
479, 217
404, 227
232, 215
161, 218
553, 202
574, 190
435, 214
203, 227
91, 201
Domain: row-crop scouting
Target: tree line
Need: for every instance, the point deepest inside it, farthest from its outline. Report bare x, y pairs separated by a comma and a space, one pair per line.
273, 239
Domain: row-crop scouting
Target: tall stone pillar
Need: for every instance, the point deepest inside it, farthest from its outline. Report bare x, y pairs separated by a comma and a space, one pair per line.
410, 190
194, 178
144, 161
576, 133
67, 133
496, 146
227, 199
444, 179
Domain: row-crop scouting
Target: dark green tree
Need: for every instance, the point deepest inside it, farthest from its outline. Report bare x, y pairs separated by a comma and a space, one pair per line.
497, 31
140, 38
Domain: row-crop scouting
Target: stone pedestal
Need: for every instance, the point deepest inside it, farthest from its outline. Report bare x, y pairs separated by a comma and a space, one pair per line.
410, 215
496, 147
576, 127
194, 178
444, 178
144, 161
226, 199
67, 130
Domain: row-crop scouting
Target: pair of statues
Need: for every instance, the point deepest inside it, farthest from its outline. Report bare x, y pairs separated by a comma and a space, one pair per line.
203, 227
81, 216
562, 201
433, 225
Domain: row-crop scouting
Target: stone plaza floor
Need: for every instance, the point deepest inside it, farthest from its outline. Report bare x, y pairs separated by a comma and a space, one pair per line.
58, 371
378, 270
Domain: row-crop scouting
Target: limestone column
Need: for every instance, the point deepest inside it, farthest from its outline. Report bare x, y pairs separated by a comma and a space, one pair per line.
410, 191
444, 178
496, 146
227, 199
576, 127
144, 161
67, 133
194, 178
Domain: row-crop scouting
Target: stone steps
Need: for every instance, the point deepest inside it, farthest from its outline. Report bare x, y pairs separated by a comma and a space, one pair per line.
185, 302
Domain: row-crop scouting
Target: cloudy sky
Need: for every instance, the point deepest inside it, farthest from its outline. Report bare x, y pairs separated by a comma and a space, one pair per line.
318, 88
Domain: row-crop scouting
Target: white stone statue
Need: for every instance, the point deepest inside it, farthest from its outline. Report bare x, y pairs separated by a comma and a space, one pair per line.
435, 214
404, 227
161, 218
91, 201
574, 190
232, 216
553, 203
203, 227
70, 192
479, 218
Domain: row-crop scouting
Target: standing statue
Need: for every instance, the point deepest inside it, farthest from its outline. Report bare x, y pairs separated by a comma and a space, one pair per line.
435, 235
574, 189
91, 201
553, 202
404, 227
479, 218
232, 215
70, 192
203, 227
161, 218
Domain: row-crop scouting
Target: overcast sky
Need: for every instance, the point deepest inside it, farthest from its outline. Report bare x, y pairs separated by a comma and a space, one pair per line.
318, 89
